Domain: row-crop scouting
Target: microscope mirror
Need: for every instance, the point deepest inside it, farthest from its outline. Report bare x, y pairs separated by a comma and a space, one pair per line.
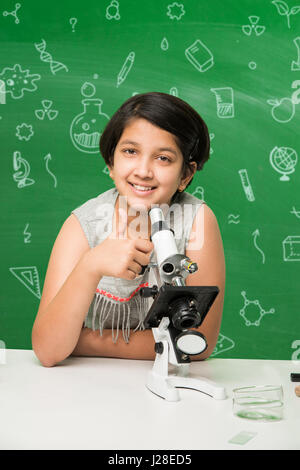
191, 342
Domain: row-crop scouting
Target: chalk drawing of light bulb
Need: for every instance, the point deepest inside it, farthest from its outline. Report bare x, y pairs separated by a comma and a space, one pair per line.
87, 127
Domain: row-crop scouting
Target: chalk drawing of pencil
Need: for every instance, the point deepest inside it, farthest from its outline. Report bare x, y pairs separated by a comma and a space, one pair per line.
246, 185
126, 68
199, 56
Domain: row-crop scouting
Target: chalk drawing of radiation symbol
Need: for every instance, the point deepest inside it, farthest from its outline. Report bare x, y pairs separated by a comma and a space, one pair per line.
259, 314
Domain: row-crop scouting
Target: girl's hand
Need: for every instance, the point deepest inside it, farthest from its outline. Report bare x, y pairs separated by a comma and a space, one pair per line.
118, 256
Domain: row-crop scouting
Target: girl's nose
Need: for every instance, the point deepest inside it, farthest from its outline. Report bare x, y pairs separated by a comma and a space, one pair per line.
143, 169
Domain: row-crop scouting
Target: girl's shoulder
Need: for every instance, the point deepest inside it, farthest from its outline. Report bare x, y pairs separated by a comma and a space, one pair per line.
187, 198
95, 216
94, 206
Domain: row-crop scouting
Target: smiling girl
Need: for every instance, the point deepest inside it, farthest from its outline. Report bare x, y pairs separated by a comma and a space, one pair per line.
91, 304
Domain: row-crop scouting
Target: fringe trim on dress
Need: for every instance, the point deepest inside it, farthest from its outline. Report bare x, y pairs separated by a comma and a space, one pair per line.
106, 305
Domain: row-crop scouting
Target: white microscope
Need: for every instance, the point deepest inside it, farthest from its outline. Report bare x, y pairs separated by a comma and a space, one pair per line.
175, 310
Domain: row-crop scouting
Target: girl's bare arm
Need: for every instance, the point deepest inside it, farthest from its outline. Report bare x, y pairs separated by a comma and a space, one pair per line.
68, 290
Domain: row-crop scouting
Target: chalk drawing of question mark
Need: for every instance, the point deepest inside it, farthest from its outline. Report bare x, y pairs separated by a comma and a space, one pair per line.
73, 22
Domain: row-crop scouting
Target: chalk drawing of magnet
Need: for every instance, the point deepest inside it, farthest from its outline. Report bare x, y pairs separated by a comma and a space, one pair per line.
199, 56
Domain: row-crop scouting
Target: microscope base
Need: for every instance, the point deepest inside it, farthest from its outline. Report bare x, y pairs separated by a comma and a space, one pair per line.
163, 384
166, 387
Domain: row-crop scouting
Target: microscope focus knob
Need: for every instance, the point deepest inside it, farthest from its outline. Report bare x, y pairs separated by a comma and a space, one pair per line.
159, 348
149, 291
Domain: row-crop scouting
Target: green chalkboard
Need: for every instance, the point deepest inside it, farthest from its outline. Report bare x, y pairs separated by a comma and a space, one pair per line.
66, 67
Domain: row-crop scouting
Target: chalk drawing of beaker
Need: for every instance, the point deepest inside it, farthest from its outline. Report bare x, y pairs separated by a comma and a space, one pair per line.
225, 105
87, 127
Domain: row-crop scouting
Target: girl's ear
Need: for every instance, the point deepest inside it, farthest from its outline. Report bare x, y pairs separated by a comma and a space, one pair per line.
188, 175
110, 170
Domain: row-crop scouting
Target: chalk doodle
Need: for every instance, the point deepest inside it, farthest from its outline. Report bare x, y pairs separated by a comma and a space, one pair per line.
199, 193
296, 94
175, 11
246, 185
223, 344
295, 212
296, 353
258, 314
29, 277
73, 22
112, 11
283, 10
174, 91
24, 131
27, 235
252, 65
291, 248
55, 66
22, 169
199, 56
295, 65
46, 111
47, 158
2, 92
225, 103
283, 160
283, 109
164, 45
233, 219
126, 67
17, 81
86, 127
14, 13
253, 27
255, 235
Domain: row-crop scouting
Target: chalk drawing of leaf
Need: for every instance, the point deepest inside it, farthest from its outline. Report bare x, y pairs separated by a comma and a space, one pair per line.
295, 10
281, 6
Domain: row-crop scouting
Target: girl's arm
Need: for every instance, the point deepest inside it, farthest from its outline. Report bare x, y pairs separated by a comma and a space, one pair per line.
140, 346
208, 253
68, 290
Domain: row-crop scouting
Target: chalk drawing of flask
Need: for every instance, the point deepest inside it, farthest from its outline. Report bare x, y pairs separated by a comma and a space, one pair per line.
225, 104
87, 127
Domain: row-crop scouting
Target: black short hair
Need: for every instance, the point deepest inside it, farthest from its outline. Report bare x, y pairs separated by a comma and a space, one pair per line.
167, 112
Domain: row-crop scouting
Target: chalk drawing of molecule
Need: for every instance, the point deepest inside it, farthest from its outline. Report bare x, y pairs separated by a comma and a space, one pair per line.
260, 311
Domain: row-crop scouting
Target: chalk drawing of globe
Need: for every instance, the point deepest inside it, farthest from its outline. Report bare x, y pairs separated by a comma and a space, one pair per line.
283, 160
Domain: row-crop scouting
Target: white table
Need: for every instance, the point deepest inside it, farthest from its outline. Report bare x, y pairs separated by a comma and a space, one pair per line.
101, 403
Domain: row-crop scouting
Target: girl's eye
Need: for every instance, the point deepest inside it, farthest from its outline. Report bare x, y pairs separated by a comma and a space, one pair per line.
129, 151
164, 158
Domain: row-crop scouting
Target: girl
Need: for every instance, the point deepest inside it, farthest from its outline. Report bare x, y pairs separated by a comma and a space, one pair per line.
153, 145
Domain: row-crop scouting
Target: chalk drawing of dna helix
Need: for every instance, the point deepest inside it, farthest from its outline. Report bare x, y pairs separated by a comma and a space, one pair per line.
46, 57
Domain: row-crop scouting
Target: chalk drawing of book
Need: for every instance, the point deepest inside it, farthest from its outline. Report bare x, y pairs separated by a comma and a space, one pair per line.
225, 104
199, 56
291, 248
29, 277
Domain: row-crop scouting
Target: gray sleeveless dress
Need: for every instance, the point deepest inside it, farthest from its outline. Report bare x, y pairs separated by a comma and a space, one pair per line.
117, 303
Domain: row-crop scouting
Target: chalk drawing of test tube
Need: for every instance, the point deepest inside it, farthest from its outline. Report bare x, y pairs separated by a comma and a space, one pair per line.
2, 92
225, 104
246, 185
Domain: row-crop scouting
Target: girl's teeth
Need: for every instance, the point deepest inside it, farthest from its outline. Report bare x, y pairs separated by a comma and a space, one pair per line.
141, 188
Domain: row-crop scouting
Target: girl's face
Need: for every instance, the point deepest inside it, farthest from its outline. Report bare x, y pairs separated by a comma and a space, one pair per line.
147, 165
